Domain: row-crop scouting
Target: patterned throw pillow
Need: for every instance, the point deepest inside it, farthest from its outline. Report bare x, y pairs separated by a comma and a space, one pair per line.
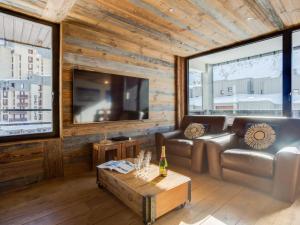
194, 130
260, 136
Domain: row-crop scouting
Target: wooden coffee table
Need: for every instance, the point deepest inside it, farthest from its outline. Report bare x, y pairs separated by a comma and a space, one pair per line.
149, 196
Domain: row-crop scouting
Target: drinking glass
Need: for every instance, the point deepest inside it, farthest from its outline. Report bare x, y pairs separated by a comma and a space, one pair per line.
137, 166
149, 156
147, 161
141, 154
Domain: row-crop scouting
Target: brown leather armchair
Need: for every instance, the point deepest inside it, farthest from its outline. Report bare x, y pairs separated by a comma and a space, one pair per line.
275, 170
190, 153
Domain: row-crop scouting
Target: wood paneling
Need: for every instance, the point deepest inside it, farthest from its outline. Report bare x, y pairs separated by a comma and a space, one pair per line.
28, 162
181, 92
53, 159
93, 49
174, 27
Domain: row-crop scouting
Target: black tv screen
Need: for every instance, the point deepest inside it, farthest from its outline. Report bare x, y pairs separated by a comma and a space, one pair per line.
99, 97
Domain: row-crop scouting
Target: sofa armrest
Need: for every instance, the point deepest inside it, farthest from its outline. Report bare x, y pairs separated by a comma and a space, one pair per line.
214, 148
161, 137
286, 174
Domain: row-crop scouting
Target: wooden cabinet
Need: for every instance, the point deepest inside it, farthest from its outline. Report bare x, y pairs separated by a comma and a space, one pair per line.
130, 149
115, 150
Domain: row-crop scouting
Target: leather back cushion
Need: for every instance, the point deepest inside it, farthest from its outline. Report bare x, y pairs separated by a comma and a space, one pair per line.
287, 130
214, 124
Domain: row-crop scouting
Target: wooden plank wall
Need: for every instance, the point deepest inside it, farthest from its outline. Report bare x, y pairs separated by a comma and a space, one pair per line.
28, 162
93, 49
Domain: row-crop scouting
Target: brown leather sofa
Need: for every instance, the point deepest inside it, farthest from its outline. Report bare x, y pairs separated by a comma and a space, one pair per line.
275, 170
190, 153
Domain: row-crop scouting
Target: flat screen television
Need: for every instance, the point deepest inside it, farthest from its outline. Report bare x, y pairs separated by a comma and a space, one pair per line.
99, 97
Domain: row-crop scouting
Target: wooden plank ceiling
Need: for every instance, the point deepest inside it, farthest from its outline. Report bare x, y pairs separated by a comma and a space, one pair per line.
178, 27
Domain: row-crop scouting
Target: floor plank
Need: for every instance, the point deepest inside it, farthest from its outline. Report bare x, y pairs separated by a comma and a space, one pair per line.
78, 201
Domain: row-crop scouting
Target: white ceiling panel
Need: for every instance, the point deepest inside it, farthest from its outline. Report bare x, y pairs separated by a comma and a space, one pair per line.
25, 31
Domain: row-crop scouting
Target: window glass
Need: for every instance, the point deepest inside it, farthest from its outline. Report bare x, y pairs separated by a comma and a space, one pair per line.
241, 81
195, 90
25, 88
296, 74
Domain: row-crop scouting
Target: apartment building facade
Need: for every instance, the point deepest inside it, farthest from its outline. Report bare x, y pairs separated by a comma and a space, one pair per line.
25, 89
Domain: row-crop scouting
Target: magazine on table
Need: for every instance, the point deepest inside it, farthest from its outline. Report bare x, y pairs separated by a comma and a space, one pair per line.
121, 166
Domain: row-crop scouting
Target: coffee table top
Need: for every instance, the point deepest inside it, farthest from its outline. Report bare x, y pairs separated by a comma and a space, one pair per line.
151, 183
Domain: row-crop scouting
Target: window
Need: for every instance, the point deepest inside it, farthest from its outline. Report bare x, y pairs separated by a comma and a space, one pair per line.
195, 90
296, 74
5, 117
245, 80
21, 80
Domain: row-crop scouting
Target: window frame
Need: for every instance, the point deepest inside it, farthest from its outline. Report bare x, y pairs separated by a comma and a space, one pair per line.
286, 64
55, 80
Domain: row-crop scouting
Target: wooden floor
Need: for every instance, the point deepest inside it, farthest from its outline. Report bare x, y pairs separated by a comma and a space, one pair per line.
78, 200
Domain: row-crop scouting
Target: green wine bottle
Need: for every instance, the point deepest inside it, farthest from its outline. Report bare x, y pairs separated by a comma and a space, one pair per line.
163, 164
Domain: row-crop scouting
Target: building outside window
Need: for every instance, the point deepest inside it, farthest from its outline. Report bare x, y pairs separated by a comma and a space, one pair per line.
21, 79
242, 81
195, 90
5, 117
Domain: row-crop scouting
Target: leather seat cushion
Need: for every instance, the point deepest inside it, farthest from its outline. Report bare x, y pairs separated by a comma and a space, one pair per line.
179, 147
248, 161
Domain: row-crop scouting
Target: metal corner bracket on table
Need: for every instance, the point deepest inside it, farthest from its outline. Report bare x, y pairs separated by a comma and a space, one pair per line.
149, 210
